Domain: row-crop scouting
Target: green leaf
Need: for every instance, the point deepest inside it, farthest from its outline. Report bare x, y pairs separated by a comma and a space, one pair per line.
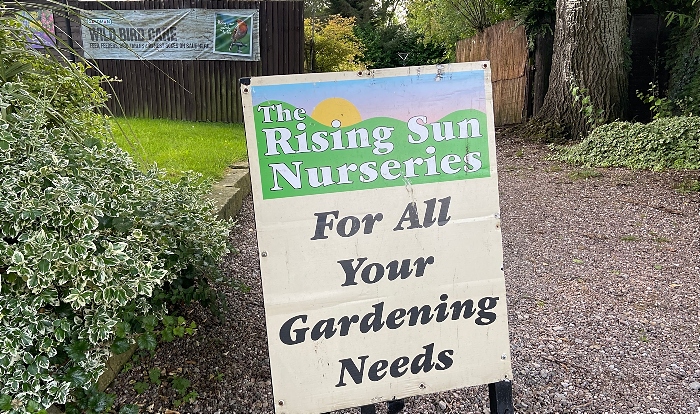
120, 345
77, 377
129, 409
100, 401
33, 281
140, 387
72, 408
149, 323
167, 335
43, 362
181, 384
17, 257
147, 341
77, 350
44, 265
33, 369
32, 406
28, 358
13, 69
92, 142
59, 334
5, 402
154, 375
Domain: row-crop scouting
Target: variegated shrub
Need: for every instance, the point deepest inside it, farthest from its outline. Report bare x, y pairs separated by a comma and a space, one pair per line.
89, 243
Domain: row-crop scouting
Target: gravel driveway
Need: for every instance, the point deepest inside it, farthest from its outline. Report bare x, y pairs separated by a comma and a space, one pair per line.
603, 276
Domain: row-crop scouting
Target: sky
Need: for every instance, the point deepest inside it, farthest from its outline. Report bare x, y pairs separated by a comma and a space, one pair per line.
399, 97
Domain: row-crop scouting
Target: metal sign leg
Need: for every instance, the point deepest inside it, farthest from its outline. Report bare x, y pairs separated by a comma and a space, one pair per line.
368, 409
501, 397
395, 406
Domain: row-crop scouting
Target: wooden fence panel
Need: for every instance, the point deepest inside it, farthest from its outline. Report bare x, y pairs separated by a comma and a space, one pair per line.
505, 45
201, 90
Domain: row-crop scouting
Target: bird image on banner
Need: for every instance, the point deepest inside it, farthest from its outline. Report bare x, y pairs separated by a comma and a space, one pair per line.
237, 34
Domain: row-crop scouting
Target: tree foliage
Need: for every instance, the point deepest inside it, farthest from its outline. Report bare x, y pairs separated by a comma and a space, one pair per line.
360, 10
438, 22
537, 15
383, 46
376, 12
331, 45
478, 14
445, 22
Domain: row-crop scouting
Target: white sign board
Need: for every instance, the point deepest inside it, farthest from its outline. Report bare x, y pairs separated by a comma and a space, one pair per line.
376, 203
171, 34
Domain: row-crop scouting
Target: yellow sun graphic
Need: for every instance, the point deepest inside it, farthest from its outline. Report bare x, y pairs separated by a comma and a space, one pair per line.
336, 109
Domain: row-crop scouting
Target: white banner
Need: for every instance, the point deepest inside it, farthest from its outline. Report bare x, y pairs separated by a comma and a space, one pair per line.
376, 203
171, 34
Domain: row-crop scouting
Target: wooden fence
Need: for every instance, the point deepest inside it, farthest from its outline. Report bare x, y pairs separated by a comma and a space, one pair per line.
204, 90
194, 90
505, 45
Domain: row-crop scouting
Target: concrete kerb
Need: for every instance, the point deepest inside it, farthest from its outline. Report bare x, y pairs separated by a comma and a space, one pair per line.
227, 195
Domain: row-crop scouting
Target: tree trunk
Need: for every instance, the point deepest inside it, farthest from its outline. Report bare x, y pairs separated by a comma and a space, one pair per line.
589, 54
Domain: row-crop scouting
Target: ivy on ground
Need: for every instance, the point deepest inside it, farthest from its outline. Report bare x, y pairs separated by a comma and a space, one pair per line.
665, 143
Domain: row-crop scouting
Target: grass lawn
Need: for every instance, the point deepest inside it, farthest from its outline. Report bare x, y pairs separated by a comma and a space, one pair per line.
177, 146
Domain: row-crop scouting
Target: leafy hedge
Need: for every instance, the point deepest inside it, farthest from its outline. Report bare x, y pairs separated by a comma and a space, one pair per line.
663, 143
91, 247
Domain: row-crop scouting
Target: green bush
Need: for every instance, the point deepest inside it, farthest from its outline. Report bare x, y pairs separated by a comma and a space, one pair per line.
91, 248
661, 144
